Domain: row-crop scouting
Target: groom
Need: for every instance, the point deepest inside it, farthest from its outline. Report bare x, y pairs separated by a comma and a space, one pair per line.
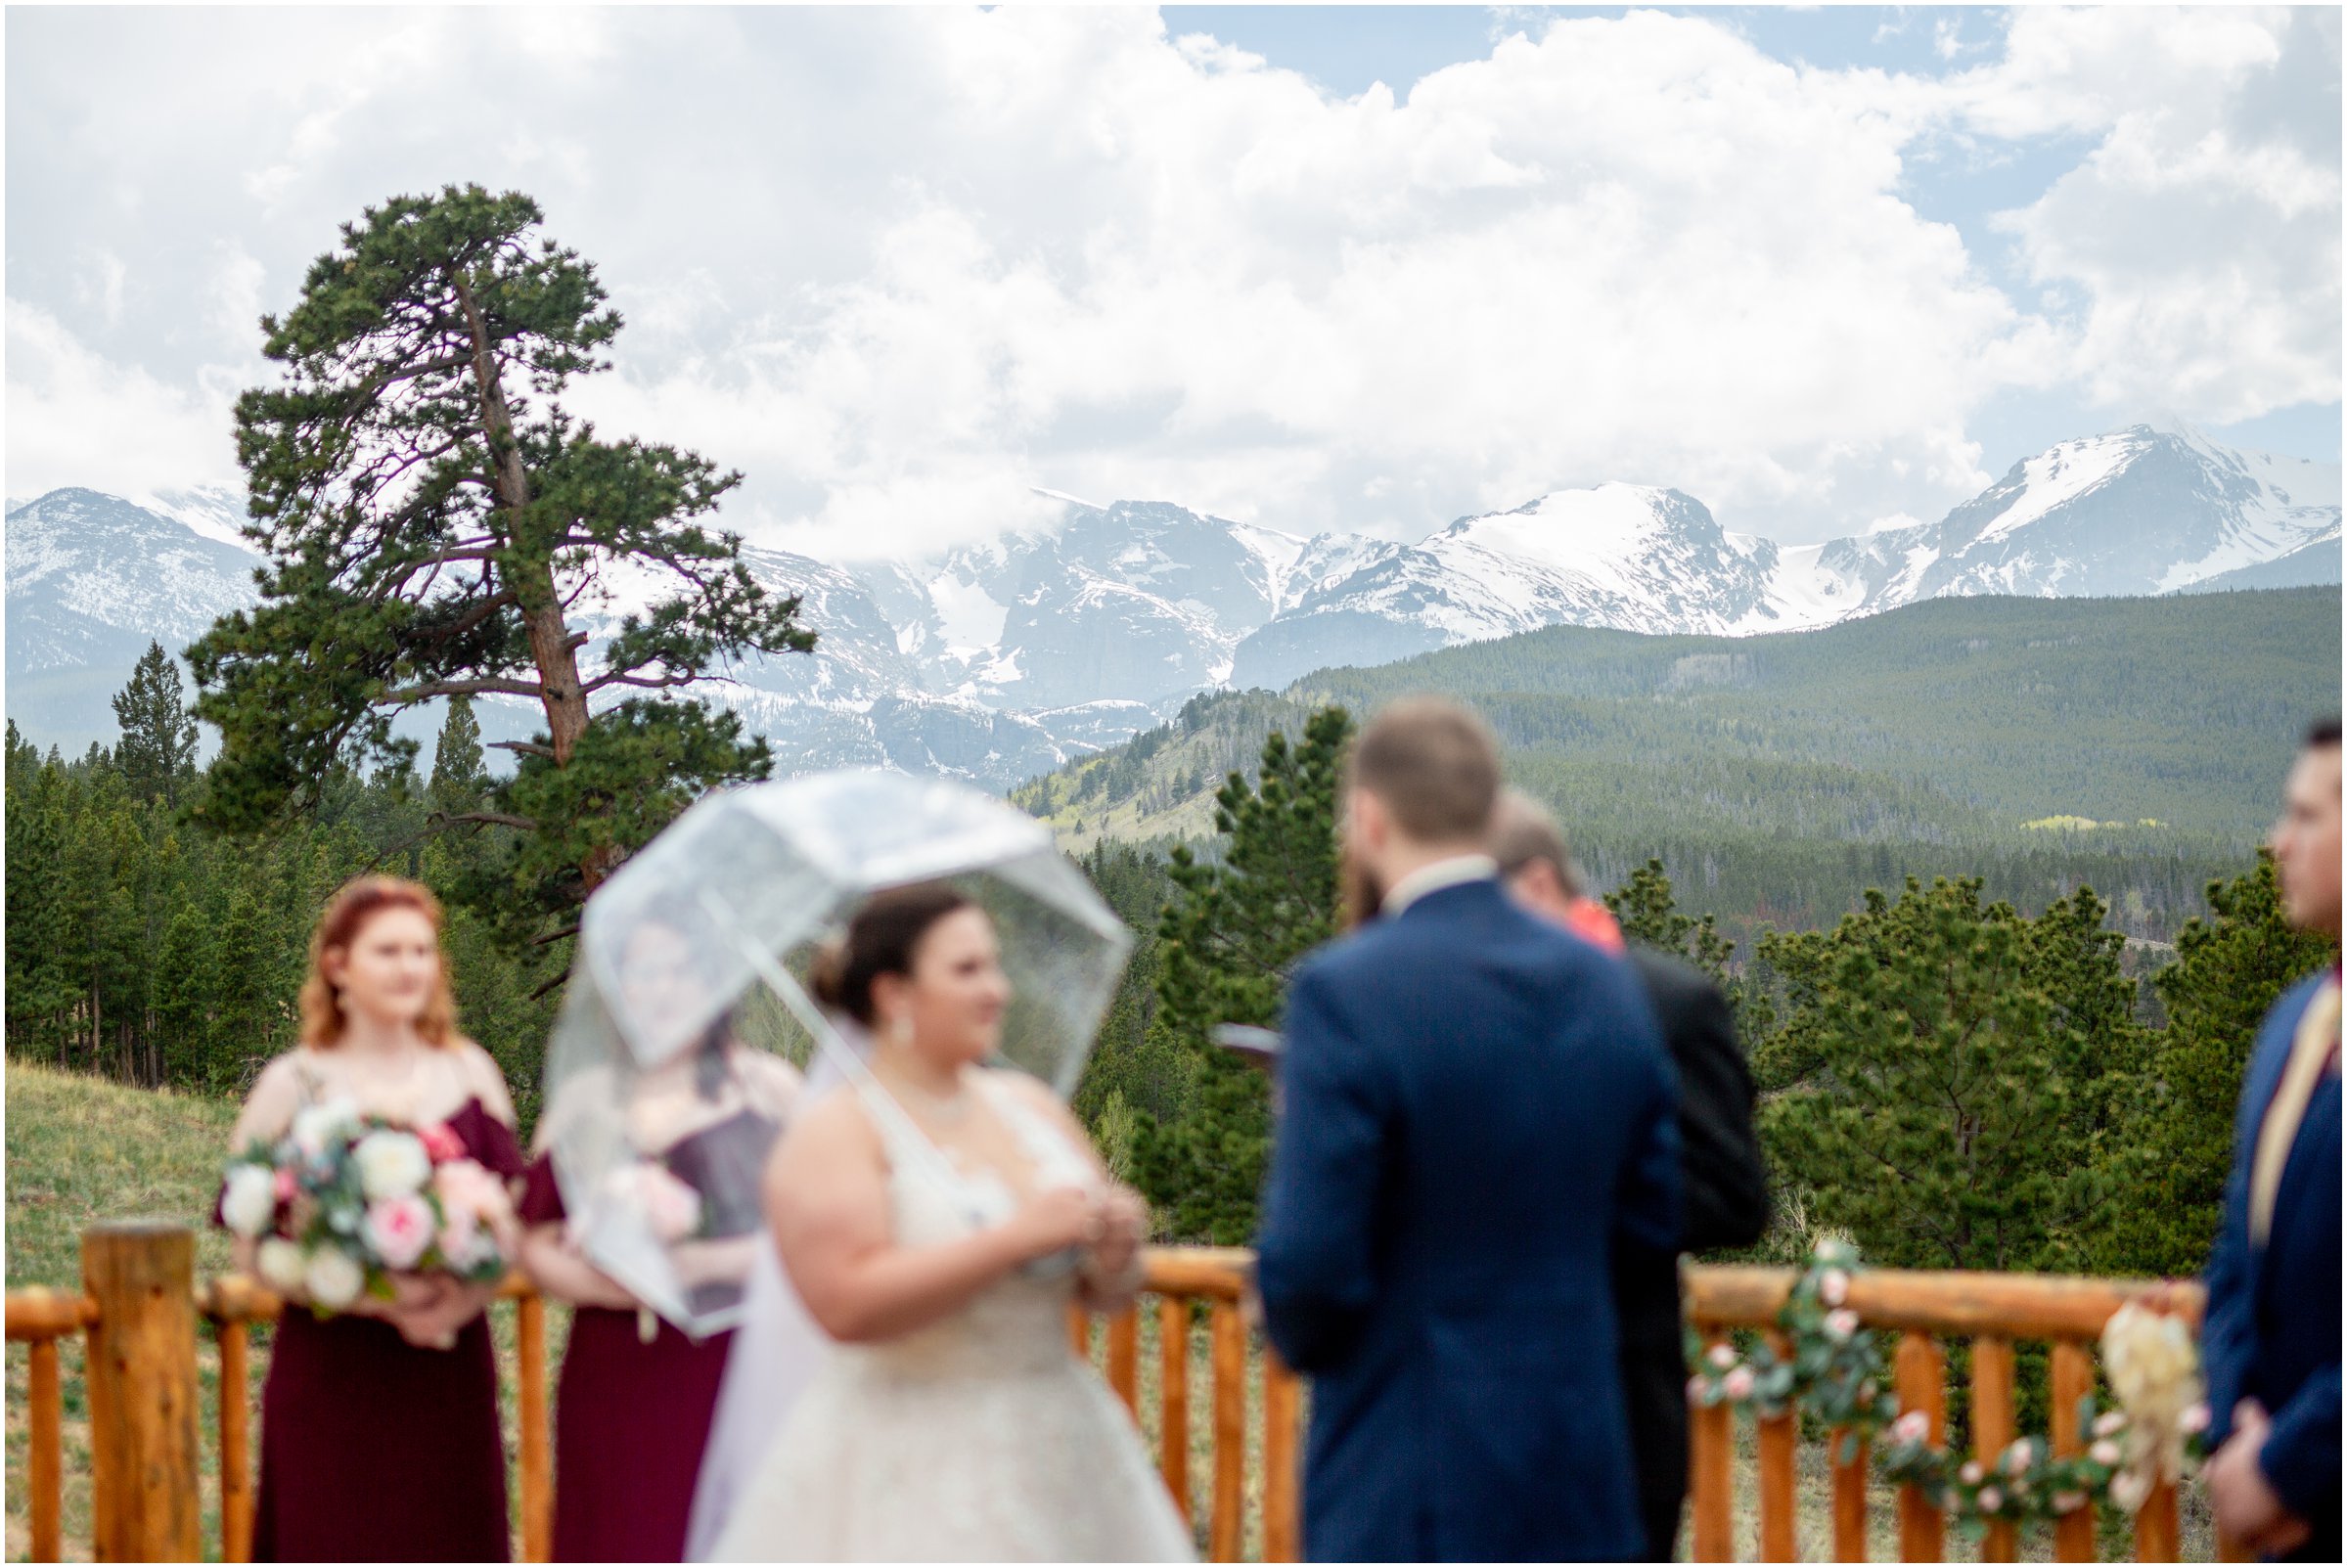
1475, 1108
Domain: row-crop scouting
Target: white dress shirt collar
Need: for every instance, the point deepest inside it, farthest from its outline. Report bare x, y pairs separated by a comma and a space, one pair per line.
1435, 877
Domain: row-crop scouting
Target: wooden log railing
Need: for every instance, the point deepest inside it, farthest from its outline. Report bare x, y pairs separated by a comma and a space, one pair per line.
1993, 1310
140, 1302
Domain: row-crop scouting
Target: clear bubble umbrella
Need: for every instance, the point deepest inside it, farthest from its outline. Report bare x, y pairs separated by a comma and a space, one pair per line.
689, 979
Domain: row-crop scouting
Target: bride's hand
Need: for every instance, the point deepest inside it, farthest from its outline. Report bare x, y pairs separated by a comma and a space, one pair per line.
1054, 1219
1123, 1218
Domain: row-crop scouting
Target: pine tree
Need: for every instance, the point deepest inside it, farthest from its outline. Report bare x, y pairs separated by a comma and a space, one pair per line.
430, 517
184, 974
458, 781
156, 753
1647, 911
1228, 943
2176, 1151
1933, 1110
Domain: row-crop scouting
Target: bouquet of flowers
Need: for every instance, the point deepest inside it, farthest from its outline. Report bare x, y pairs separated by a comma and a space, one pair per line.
342, 1202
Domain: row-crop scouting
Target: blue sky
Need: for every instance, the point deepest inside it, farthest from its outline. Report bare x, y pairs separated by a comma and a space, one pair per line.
1822, 269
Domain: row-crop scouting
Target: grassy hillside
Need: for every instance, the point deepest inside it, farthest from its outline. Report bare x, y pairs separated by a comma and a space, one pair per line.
1780, 775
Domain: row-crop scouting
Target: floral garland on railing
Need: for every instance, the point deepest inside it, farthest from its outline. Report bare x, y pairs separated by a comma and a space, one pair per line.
1834, 1371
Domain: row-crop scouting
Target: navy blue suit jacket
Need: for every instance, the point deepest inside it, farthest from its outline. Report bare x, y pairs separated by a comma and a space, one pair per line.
2272, 1331
1476, 1105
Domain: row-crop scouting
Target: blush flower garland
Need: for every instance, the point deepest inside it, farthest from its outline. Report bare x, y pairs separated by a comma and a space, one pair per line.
1834, 1371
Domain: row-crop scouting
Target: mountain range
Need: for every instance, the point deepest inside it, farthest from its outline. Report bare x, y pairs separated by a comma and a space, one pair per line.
1001, 661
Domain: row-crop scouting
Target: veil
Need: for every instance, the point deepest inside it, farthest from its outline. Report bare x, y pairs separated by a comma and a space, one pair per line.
776, 1348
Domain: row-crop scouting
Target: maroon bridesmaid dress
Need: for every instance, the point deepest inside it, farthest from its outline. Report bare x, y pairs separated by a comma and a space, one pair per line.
373, 1449
631, 1416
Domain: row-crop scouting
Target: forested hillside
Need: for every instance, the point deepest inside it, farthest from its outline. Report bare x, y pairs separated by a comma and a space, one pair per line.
1780, 776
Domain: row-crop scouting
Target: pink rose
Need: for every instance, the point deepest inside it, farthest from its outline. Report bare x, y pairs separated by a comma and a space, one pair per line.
289, 1186
1913, 1427
2016, 1459
399, 1230
1866, 1393
2068, 1501
2194, 1417
1991, 1500
1971, 1474
1739, 1383
2110, 1423
2104, 1452
1695, 1391
441, 1143
1723, 1356
1833, 1287
1841, 1323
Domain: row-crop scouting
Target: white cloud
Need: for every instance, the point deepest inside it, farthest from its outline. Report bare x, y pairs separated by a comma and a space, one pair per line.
77, 419
2202, 229
901, 264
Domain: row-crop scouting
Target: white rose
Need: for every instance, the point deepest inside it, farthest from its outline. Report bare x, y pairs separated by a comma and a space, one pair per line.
334, 1279
392, 1165
314, 1125
281, 1264
249, 1202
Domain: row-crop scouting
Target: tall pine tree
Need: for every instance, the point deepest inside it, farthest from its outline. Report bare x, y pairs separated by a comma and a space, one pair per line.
156, 755
2177, 1150
433, 522
1228, 943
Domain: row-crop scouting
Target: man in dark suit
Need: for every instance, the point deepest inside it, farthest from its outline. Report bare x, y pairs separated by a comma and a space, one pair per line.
2271, 1341
1724, 1197
1475, 1108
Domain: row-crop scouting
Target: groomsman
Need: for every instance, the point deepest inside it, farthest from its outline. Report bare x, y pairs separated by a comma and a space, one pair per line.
2270, 1342
1476, 1106
1725, 1188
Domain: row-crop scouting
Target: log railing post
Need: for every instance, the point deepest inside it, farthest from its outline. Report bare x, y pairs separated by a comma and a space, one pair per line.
236, 1443
1173, 1400
1282, 1480
2073, 1373
1226, 1524
141, 1371
1775, 1445
1849, 1494
537, 1446
1708, 1437
2156, 1526
1922, 1386
1993, 1431
1124, 1360
47, 1452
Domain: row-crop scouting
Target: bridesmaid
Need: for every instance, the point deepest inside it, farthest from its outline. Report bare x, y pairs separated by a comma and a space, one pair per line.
377, 1444
636, 1396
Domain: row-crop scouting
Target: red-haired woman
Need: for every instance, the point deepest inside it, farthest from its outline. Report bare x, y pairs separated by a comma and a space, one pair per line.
378, 1425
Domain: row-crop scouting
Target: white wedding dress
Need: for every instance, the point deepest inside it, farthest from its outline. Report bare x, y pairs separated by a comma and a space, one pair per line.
979, 1438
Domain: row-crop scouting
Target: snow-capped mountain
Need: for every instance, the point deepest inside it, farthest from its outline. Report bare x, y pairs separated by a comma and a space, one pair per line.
1001, 661
2139, 510
1629, 557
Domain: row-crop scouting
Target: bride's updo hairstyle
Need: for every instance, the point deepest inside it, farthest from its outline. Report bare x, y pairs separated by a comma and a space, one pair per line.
884, 938
347, 915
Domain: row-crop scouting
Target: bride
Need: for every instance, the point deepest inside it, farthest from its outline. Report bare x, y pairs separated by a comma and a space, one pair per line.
936, 1217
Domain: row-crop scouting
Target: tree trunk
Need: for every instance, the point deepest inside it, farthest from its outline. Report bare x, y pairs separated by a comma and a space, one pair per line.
560, 690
